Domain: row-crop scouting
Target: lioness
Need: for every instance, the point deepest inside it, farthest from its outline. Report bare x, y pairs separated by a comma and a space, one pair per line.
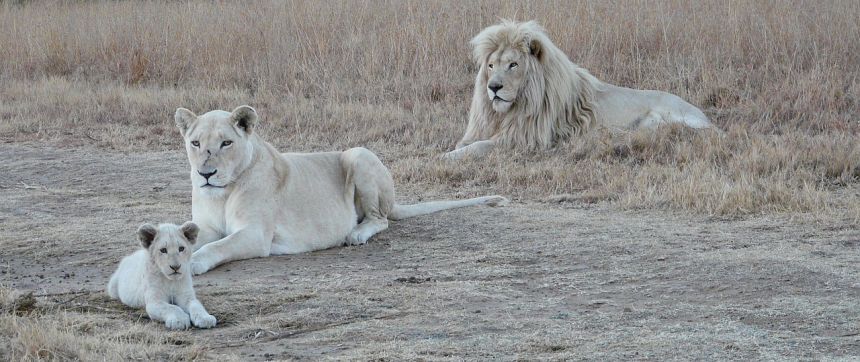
250, 200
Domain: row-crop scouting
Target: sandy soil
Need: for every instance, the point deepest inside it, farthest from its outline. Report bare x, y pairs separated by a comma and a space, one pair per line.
530, 280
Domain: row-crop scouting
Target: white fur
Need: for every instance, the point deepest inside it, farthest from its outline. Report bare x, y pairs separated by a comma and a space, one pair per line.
142, 280
543, 97
260, 202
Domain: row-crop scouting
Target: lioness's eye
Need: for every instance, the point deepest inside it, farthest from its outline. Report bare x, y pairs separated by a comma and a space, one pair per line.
226, 143
195, 143
181, 249
163, 250
490, 65
514, 65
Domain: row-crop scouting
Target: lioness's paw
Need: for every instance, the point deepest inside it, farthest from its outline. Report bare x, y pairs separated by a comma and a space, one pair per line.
356, 238
199, 263
203, 320
198, 267
496, 200
177, 322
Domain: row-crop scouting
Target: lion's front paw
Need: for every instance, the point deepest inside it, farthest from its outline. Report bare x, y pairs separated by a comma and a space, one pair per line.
496, 200
177, 322
452, 156
204, 320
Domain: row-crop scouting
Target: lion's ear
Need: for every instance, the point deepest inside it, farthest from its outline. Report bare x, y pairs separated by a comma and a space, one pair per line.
245, 118
535, 47
190, 231
146, 234
183, 118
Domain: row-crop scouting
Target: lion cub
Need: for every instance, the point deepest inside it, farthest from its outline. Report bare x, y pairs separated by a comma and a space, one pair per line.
159, 277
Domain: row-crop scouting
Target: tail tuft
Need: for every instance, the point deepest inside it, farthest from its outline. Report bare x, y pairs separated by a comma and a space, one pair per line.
496, 200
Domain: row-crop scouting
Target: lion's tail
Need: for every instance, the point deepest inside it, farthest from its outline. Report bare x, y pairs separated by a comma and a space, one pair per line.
400, 212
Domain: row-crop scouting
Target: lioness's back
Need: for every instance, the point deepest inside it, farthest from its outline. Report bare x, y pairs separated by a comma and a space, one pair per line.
317, 167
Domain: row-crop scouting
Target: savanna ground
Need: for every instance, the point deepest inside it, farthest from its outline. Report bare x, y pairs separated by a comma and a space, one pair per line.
648, 245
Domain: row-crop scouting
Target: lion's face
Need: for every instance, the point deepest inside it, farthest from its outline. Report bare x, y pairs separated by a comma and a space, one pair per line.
218, 145
505, 77
169, 246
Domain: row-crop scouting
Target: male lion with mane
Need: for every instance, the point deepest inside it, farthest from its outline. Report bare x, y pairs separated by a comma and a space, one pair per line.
250, 200
529, 95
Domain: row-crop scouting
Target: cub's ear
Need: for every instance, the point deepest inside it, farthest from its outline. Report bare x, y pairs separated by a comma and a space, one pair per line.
245, 118
190, 230
184, 118
146, 234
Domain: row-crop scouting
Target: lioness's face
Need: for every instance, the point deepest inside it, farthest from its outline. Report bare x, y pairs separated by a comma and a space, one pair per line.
218, 146
505, 76
169, 246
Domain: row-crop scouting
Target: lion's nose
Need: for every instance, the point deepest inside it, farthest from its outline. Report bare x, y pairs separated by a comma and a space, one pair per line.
207, 175
175, 267
494, 87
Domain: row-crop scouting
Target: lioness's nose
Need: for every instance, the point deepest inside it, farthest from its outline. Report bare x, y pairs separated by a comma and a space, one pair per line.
175, 267
207, 175
494, 87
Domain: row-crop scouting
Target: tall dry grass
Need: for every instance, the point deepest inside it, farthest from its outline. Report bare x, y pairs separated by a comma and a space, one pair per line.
780, 77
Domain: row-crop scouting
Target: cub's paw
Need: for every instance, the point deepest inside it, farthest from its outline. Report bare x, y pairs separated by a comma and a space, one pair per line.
204, 320
177, 322
496, 200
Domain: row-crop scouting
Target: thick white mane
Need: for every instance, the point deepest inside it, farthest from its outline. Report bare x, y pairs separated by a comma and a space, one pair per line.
555, 101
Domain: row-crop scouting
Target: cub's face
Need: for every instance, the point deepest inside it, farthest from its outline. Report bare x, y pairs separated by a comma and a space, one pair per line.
169, 247
505, 77
218, 145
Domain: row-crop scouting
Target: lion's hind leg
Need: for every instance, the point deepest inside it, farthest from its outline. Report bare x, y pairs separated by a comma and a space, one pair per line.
685, 114
374, 193
650, 120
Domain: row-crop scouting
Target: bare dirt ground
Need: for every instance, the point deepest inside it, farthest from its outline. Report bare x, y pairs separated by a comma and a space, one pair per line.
530, 280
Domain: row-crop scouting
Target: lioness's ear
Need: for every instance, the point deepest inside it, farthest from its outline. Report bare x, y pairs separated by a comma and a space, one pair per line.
183, 118
245, 118
146, 234
190, 230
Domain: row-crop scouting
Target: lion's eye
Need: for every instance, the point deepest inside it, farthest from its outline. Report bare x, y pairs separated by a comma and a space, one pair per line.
195, 143
514, 65
490, 65
163, 250
226, 143
181, 249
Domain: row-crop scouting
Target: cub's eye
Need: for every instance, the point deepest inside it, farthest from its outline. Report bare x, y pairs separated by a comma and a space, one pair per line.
490, 65
163, 250
226, 143
181, 249
195, 143
514, 65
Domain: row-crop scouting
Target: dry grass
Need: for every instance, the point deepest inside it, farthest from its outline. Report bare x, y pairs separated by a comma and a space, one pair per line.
58, 328
780, 77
